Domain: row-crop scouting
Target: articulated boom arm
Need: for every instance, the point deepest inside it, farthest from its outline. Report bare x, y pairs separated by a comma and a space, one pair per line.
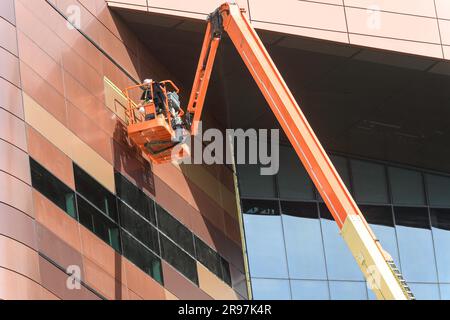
377, 266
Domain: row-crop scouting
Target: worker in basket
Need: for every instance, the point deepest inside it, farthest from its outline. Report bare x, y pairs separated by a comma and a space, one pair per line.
153, 93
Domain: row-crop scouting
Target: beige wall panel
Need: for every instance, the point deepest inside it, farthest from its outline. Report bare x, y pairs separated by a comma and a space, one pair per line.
114, 99
213, 286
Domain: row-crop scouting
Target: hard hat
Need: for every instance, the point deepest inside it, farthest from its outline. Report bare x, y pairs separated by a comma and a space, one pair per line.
142, 110
147, 81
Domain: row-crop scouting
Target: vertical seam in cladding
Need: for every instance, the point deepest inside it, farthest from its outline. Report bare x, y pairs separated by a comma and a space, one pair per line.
439, 29
346, 21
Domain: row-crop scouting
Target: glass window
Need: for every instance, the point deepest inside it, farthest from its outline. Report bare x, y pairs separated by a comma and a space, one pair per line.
265, 246
175, 230
369, 182
406, 187
445, 291
440, 222
309, 290
293, 180
425, 291
98, 223
179, 259
340, 262
341, 166
226, 274
138, 227
135, 198
52, 188
381, 221
346, 290
254, 185
263, 207
146, 260
303, 240
415, 244
95, 192
270, 289
208, 257
438, 190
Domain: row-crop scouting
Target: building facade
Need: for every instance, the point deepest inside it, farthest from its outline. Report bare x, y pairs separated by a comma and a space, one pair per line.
85, 216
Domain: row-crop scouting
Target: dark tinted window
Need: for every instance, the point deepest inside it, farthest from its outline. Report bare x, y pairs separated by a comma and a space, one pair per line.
142, 257
300, 209
208, 257
135, 198
175, 230
412, 217
138, 227
379, 215
95, 192
56, 191
98, 223
226, 275
179, 259
266, 207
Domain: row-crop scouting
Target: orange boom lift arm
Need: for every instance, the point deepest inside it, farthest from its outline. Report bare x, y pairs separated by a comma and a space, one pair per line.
376, 264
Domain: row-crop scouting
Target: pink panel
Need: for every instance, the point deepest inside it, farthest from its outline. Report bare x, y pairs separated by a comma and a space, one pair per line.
392, 25
443, 8
415, 7
299, 13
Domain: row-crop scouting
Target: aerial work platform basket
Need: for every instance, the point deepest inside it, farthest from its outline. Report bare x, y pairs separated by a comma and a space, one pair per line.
150, 122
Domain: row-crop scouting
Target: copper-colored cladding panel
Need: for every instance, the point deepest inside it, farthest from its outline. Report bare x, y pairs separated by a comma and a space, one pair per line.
11, 98
19, 258
92, 107
43, 93
140, 283
14, 162
15, 193
53, 218
7, 10
44, 152
17, 225
55, 280
29, 24
57, 250
90, 133
40, 62
9, 67
8, 39
103, 255
17, 287
102, 282
180, 286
